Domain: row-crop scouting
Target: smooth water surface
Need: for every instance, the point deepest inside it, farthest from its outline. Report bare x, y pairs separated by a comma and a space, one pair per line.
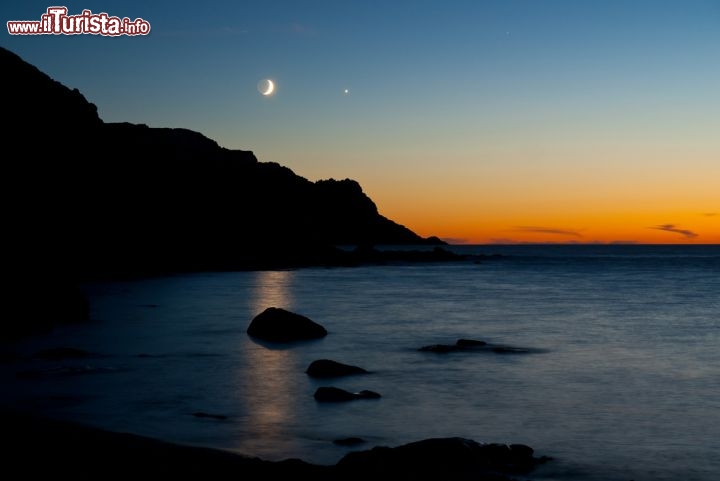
622, 381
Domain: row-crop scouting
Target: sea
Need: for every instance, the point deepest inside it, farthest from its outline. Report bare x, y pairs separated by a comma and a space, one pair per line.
617, 374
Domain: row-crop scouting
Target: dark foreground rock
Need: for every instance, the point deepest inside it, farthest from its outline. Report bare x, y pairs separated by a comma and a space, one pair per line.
335, 394
440, 458
278, 325
325, 368
42, 448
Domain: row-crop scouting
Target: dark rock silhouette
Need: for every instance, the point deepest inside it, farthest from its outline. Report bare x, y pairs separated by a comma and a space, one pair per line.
472, 345
335, 394
57, 111
278, 325
440, 458
324, 368
132, 200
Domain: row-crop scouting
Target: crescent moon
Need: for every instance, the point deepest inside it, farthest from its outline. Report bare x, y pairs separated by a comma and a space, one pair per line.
270, 88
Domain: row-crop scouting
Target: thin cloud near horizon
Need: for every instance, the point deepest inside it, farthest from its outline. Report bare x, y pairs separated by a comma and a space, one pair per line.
674, 229
547, 230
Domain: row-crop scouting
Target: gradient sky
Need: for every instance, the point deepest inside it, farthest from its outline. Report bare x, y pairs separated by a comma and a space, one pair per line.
477, 121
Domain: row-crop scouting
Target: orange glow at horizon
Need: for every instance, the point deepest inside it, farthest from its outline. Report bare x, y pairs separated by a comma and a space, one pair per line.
642, 196
499, 222
702, 229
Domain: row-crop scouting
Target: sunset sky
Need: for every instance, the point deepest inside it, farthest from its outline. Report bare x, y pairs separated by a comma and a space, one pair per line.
478, 121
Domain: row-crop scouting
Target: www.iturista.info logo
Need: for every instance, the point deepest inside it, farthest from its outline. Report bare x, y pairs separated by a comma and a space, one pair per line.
57, 22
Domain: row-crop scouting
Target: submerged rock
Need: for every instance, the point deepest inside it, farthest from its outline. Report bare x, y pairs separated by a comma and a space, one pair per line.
510, 350
330, 368
472, 345
335, 394
278, 325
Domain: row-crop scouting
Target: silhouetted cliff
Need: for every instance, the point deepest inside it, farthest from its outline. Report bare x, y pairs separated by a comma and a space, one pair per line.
92, 197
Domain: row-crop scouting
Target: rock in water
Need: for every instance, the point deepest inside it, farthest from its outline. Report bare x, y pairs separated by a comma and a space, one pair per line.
470, 343
278, 325
334, 394
330, 368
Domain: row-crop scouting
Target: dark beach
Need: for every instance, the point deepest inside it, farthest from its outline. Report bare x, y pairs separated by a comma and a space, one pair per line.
43, 448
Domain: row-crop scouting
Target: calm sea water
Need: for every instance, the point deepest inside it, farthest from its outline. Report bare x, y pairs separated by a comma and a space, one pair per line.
624, 383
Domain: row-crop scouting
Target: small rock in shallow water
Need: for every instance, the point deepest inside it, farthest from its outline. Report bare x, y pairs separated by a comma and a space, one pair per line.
470, 343
329, 368
334, 394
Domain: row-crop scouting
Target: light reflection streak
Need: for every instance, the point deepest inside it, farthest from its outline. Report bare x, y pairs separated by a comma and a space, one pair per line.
272, 289
270, 394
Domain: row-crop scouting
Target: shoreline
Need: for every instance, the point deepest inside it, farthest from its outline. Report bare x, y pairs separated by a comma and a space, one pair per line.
39, 447
42, 447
